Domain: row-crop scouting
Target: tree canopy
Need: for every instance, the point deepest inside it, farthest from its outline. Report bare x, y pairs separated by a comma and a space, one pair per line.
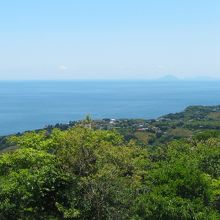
81, 173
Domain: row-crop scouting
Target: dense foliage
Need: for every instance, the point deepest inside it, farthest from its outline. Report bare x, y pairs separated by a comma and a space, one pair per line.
81, 173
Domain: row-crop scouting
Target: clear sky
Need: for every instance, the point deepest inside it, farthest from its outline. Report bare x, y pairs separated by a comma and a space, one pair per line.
109, 39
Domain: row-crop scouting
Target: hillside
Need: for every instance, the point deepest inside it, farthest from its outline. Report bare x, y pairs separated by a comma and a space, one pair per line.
90, 171
193, 120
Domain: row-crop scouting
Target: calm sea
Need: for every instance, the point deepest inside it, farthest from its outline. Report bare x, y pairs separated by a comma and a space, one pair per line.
27, 105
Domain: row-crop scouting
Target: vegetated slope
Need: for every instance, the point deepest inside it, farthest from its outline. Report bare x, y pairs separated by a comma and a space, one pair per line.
193, 120
82, 173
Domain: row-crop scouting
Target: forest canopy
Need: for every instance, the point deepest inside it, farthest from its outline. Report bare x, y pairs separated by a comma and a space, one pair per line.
82, 173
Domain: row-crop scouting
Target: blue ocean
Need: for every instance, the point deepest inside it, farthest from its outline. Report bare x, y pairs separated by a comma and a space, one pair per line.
27, 105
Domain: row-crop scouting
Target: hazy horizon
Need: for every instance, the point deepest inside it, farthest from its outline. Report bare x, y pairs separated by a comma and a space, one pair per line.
162, 78
109, 40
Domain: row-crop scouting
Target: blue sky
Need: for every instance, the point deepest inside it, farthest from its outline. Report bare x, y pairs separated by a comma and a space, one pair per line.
109, 39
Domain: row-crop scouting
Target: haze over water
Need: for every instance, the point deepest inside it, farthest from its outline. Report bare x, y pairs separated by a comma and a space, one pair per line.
28, 105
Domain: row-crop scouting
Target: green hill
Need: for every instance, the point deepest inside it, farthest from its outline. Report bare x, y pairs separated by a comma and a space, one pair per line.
92, 171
